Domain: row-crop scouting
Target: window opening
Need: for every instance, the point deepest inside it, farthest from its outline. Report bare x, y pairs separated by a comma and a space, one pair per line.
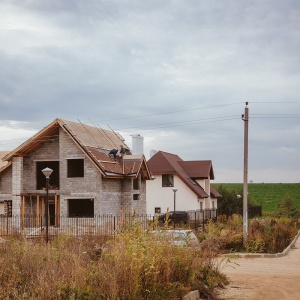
135, 184
157, 210
136, 196
41, 178
82, 208
167, 180
75, 168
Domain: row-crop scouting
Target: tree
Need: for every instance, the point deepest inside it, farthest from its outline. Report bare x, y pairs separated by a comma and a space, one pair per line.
230, 203
287, 208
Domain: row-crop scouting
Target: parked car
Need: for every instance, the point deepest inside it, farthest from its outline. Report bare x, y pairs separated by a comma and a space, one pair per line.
179, 237
180, 217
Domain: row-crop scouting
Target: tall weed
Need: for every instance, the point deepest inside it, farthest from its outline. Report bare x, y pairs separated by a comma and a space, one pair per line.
134, 265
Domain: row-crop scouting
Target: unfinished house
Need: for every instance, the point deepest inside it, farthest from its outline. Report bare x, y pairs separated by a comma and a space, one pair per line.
85, 181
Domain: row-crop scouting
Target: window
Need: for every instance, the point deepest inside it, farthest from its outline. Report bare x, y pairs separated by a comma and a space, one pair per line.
135, 184
167, 180
157, 210
54, 177
213, 205
82, 208
75, 168
136, 196
8, 208
201, 205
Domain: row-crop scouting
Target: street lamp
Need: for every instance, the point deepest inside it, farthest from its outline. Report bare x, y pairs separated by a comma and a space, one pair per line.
47, 172
174, 190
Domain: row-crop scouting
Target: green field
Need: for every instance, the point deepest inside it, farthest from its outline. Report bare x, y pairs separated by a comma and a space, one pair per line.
267, 194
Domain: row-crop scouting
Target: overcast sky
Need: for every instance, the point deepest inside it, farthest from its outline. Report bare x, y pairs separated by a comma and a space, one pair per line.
176, 72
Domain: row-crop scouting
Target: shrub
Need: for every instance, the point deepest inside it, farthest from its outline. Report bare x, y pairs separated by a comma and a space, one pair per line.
268, 235
287, 208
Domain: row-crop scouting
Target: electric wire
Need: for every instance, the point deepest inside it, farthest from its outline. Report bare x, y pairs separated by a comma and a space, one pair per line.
190, 122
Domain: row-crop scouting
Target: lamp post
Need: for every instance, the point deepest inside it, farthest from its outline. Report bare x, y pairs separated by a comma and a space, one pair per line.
174, 190
47, 172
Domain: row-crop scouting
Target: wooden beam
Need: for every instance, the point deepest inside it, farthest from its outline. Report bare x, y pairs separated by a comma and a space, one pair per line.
23, 210
43, 208
38, 210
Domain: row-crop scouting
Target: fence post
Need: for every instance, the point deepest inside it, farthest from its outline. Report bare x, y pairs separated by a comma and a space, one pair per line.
7, 225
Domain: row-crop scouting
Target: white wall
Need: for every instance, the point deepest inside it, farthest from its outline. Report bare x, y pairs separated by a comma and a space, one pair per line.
163, 197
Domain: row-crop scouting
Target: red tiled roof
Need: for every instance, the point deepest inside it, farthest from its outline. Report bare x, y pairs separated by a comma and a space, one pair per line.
167, 163
214, 192
198, 168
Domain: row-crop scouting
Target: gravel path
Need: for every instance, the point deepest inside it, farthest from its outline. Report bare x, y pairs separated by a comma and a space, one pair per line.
264, 278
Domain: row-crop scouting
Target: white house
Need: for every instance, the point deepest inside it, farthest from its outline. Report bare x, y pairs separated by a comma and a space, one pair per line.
190, 178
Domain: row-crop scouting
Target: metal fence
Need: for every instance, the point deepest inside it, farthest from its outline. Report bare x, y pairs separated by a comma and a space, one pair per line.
34, 226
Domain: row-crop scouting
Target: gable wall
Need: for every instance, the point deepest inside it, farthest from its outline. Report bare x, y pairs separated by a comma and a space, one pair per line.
49, 150
88, 186
110, 195
5, 184
163, 197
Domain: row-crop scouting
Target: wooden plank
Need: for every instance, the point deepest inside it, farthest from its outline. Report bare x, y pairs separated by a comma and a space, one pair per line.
55, 204
38, 210
23, 210
43, 209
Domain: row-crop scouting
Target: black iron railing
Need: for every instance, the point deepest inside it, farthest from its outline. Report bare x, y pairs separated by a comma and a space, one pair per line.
34, 226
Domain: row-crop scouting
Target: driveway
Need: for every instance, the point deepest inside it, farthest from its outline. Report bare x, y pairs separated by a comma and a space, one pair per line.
264, 278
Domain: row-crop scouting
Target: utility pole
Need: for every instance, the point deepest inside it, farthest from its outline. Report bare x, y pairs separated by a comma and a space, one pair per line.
245, 118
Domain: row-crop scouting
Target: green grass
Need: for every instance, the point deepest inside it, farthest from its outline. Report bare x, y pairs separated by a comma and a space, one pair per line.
267, 194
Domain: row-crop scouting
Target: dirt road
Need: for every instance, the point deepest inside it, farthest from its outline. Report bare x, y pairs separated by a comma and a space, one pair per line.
264, 278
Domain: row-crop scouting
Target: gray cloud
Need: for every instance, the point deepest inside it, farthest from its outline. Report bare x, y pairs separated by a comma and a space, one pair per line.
129, 64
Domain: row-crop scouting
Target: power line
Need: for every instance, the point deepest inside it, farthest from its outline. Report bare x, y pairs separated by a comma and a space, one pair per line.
199, 108
170, 112
183, 123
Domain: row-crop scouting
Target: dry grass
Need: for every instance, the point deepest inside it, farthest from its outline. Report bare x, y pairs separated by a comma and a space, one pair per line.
132, 266
268, 235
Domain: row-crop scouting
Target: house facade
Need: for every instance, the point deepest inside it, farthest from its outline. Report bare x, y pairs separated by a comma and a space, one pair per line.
185, 184
85, 180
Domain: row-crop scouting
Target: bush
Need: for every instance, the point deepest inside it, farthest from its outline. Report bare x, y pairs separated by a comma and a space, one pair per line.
269, 235
287, 208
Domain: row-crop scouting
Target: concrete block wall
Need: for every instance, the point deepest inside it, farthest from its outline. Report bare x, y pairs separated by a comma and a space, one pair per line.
89, 186
49, 150
140, 205
6, 183
127, 195
110, 197
17, 184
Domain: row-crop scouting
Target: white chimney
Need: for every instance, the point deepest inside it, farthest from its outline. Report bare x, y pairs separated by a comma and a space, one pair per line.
152, 152
137, 144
